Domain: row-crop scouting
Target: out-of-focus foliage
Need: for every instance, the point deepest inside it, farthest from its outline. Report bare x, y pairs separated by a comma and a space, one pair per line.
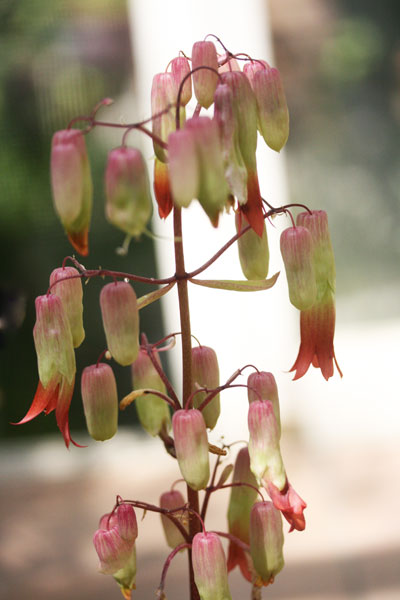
341, 69
58, 59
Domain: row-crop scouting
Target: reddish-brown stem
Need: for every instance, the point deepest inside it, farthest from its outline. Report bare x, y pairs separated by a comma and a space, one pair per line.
235, 484
210, 487
234, 539
178, 101
149, 349
169, 558
183, 297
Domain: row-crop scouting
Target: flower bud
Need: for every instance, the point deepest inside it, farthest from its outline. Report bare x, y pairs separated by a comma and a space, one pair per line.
241, 500
245, 110
205, 373
127, 523
180, 68
72, 186
112, 550
273, 115
100, 401
323, 257
205, 81
266, 541
71, 294
171, 500
264, 451
153, 411
262, 386
209, 567
53, 340
162, 191
184, 167
253, 251
297, 254
120, 321
129, 205
213, 190
163, 97
191, 445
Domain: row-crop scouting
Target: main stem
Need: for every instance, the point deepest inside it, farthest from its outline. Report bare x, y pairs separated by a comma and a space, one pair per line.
183, 297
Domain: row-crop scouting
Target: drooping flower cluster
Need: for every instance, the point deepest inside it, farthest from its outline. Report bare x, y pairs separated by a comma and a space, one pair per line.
210, 159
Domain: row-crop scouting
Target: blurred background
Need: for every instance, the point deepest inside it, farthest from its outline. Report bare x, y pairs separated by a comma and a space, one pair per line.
340, 63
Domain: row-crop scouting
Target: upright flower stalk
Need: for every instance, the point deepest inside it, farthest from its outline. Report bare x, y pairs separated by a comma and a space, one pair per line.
210, 160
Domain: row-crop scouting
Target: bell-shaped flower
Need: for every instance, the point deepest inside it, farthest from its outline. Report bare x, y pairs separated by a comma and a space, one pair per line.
114, 542
245, 111
163, 101
153, 411
240, 503
180, 68
209, 567
262, 386
297, 253
266, 541
289, 503
71, 294
205, 373
171, 500
184, 166
100, 401
253, 250
128, 198
71, 184
162, 190
120, 321
205, 81
213, 190
265, 455
191, 445
56, 363
273, 114
235, 170
317, 324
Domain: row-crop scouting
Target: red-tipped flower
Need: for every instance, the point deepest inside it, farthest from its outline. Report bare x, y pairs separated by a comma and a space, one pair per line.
317, 324
72, 186
100, 401
56, 363
205, 373
191, 445
209, 567
266, 542
120, 321
129, 205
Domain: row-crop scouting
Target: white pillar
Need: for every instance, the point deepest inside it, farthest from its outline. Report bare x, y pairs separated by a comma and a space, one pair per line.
241, 327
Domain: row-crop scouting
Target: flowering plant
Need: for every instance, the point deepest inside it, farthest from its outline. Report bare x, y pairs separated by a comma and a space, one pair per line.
210, 159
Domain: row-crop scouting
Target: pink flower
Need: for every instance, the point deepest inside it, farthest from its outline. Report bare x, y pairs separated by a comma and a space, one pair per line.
289, 503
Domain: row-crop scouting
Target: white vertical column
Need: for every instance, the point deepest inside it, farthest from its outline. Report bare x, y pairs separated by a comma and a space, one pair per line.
241, 327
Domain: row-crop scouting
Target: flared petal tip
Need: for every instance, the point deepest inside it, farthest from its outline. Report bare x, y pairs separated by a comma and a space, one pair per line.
80, 241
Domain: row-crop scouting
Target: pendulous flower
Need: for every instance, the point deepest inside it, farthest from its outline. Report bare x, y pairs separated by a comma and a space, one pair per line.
205, 373
209, 567
266, 542
100, 401
56, 363
191, 445
72, 187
